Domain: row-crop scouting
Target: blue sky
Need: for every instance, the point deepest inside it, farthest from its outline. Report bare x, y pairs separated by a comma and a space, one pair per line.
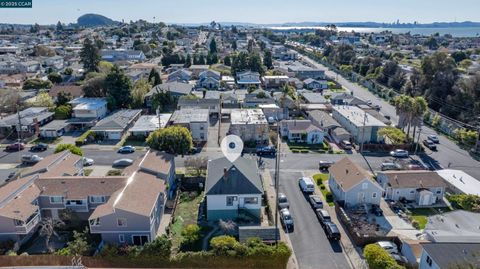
256, 11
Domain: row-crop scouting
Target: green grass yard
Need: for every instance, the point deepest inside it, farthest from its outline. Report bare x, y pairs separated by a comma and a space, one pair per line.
321, 180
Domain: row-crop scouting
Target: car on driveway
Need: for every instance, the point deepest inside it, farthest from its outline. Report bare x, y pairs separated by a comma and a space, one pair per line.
390, 166
324, 165
39, 147
389, 246
332, 232
346, 145
323, 216
31, 159
126, 149
433, 138
283, 201
287, 219
17, 146
306, 185
88, 161
430, 144
315, 201
399, 153
122, 163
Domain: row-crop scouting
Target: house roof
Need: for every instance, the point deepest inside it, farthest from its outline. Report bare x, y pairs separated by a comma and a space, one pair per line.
240, 177
153, 162
27, 116
322, 119
414, 179
50, 162
17, 197
453, 255
78, 187
314, 98
74, 90
348, 174
299, 125
454, 226
150, 122
119, 120
461, 180
174, 87
55, 125
188, 115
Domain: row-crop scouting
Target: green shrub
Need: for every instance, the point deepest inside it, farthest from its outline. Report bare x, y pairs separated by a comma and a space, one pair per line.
114, 172
85, 137
223, 245
304, 151
467, 202
72, 148
329, 197
295, 151
161, 247
322, 187
378, 258
190, 234
416, 224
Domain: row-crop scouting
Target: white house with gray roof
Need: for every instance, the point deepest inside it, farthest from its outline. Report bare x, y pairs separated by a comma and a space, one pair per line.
115, 125
301, 131
233, 189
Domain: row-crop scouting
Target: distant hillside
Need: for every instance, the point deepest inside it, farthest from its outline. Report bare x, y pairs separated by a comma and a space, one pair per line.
94, 20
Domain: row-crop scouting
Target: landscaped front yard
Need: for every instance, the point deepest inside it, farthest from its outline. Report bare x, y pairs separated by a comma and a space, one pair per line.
421, 215
322, 180
306, 148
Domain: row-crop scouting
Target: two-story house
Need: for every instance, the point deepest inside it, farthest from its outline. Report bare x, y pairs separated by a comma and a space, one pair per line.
209, 79
233, 189
248, 79
86, 112
196, 120
182, 75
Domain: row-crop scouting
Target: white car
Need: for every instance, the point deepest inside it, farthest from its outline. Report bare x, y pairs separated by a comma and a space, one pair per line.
306, 185
88, 161
390, 247
433, 138
399, 153
286, 219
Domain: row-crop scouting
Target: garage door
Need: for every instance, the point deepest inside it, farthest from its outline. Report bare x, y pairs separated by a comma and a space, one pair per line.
114, 136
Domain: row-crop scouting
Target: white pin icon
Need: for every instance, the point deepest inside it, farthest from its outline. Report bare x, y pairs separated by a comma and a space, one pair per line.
232, 147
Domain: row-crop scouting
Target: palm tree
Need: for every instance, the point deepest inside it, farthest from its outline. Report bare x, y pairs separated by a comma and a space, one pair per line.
419, 108
403, 105
47, 230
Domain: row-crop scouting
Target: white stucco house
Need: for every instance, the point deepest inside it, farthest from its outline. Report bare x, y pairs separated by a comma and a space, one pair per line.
301, 131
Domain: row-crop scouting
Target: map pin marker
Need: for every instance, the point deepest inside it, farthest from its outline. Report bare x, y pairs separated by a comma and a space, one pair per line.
232, 147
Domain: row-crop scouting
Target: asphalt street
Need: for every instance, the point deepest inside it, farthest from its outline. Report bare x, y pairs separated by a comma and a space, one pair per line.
312, 248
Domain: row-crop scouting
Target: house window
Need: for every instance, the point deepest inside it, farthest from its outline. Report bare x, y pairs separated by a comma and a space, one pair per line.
410, 191
374, 195
18, 222
122, 222
56, 199
251, 200
429, 261
230, 200
364, 186
439, 192
201, 128
121, 238
97, 199
95, 222
74, 202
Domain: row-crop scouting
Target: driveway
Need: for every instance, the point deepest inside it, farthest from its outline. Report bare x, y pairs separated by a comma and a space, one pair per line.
312, 248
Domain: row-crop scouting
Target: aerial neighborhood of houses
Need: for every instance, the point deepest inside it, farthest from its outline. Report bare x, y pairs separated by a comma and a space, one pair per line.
112, 139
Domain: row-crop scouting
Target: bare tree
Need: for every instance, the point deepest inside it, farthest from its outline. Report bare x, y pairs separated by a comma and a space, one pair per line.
228, 227
47, 230
198, 164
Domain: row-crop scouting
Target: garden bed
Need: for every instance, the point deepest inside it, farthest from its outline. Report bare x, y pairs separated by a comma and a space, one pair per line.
321, 180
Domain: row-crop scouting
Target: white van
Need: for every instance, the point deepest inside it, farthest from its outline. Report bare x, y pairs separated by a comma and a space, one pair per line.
306, 185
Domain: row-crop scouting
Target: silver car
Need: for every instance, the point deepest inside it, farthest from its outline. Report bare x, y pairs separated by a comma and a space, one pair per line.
122, 163
283, 201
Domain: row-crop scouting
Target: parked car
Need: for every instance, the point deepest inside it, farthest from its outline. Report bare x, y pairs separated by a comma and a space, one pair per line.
122, 162
39, 147
323, 216
433, 138
377, 107
315, 201
376, 210
346, 145
399, 153
324, 165
13, 175
390, 166
390, 247
416, 167
283, 201
88, 161
332, 231
193, 151
17, 146
266, 151
126, 149
306, 185
286, 218
31, 159
429, 144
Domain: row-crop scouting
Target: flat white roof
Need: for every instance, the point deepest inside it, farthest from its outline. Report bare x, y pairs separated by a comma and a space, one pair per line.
268, 106
247, 116
461, 180
150, 123
357, 116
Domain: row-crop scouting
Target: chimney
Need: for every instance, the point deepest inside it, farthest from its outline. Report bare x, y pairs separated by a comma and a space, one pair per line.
225, 173
346, 171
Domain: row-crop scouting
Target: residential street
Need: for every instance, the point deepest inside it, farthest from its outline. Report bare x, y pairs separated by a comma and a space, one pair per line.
449, 154
312, 248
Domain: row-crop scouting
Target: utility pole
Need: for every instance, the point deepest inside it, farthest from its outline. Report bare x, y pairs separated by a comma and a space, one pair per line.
19, 133
277, 175
363, 131
418, 139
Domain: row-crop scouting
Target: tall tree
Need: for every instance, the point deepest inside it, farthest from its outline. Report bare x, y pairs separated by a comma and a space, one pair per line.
213, 46
140, 88
154, 77
119, 88
267, 59
59, 27
234, 45
188, 61
90, 56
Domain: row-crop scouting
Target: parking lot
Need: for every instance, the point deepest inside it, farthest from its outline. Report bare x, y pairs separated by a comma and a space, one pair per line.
311, 246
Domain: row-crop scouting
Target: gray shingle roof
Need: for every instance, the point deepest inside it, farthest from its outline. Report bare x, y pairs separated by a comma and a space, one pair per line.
174, 87
242, 177
454, 255
117, 121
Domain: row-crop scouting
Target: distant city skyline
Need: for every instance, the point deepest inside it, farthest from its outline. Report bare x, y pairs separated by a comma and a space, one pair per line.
248, 11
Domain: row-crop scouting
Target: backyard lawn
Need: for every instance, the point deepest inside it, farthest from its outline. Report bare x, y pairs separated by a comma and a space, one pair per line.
186, 213
421, 214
